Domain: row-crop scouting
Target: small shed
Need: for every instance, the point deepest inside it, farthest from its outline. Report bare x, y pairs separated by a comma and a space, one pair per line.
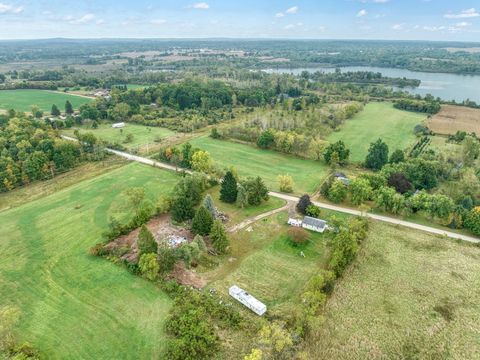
314, 224
118, 125
295, 222
343, 178
248, 300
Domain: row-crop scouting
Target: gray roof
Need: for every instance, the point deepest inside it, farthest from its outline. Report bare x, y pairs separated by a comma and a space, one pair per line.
314, 222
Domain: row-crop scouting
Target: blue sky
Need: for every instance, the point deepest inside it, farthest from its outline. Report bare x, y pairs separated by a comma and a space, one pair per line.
322, 19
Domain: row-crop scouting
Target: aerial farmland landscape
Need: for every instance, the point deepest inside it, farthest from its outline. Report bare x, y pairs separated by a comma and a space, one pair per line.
256, 180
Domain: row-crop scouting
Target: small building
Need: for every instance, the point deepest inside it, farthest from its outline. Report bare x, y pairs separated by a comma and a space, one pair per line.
314, 224
118, 125
295, 222
343, 178
248, 300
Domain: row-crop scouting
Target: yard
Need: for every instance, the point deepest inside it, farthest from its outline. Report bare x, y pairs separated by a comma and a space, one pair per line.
378, 120
23, 100
252, 161
409, 295
74, 305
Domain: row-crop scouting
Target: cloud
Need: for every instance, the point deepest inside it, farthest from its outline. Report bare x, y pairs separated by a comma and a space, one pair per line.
200, 5
10, 9
279, 15
398, 27
85, 19
468, 13
293, 26
434, 28
292, 10
158, 21
362, 13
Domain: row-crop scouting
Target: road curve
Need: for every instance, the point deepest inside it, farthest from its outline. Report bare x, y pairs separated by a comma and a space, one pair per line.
345, 210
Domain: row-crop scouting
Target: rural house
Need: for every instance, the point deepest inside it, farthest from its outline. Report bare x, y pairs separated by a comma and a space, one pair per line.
248, 300
314, 224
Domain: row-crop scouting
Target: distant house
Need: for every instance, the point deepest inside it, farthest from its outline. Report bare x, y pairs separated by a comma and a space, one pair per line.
118, 125
248, 300
295, 222
343, 178
314, 224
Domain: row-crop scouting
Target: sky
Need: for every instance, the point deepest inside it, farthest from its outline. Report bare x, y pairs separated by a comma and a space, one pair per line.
309, 19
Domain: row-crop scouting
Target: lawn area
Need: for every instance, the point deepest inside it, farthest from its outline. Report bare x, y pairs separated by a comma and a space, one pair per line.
378, 120
409, 295
142, 135
251, 161
267, 265
23, 100
73, 305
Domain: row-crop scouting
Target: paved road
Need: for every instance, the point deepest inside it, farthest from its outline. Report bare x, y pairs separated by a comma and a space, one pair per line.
289, 198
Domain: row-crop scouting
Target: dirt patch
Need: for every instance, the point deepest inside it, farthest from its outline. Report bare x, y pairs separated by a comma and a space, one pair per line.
455, 118
161, 227
187, 277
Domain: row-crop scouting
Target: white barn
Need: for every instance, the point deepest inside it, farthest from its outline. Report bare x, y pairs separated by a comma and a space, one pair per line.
314, 224
248, 300
118, 125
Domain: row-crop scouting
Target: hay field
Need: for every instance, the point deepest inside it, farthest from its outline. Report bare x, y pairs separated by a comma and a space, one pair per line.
455, 118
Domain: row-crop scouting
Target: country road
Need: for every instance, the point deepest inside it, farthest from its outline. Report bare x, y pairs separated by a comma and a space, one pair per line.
289, 198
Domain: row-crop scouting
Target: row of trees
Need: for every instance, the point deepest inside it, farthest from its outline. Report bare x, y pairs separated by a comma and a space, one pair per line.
251, 191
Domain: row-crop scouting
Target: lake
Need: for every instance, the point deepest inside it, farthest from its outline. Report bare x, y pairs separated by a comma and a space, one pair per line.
445, 86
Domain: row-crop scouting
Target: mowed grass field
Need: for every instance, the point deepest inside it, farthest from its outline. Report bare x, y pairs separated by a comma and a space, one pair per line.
378, 120
23, 100
409, 295
73, 305
252, 161
142, 135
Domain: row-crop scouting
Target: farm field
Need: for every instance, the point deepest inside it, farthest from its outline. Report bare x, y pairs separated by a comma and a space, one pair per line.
23, 100
251, 161
409, 295
142, 135
267, 265
455, 118
74, 305
377, 120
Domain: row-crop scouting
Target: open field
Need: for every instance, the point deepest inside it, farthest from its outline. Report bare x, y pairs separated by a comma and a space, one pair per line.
455, 118
409, 295
267, 265
251, 161
142, 135
377, 120
74, 305
23, 100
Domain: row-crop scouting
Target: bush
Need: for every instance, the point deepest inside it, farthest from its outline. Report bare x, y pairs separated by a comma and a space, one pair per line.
218, 236
400, 183
146, 242
298, 236
337, 192
148, 266
303, 204
285, 183
472, 222
313, 211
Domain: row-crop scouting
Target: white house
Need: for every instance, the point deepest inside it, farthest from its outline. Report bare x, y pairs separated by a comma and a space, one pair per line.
248, 300
295, 222
314, 224
118, 125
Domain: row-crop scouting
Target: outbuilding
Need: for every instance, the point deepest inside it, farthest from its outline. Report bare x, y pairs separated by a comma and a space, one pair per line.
248, 300
295, 222
118, 125
314, 224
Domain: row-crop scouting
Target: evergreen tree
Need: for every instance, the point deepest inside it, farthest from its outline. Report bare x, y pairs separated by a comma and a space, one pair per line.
166, 259
218, 236
68, 108
228, 192
55, 111
149, 266
242, 196
377, 155
146, 242
256, 190
202, 222
210, 205
303, 204
182, 208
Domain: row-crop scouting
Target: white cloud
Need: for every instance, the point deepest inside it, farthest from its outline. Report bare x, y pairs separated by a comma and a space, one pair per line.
434, 28
200, 5
293, 26
398, 27
468, 13
292, 10
10, 9
362, 13
158, 21
463, 24
279, 15
85, 19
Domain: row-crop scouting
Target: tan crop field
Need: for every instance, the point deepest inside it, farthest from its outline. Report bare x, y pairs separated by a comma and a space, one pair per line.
455, 118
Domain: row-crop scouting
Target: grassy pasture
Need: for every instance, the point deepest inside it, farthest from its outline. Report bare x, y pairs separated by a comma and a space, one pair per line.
251, 161
377, 120
455, 118
409, 295
23, 100
73, 305
142, 135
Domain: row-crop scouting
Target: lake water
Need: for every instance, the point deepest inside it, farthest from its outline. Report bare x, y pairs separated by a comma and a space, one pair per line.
445, 86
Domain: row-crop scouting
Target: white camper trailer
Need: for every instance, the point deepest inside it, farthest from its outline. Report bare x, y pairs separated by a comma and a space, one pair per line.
118, 125
248, 300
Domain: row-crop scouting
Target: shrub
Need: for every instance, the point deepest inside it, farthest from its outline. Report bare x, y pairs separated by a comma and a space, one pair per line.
285, 183
472, 222
149, 266
146, 242
400, 182
218, 236
298, 236
313, 211
337, 192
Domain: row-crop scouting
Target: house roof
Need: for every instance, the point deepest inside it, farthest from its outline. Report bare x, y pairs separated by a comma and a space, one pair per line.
340, 175
308, 220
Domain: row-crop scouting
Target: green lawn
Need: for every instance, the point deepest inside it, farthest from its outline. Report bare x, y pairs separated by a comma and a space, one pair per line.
73, 305
378, 120
267, 265
23, 100
142, 135
409, 295
251, 161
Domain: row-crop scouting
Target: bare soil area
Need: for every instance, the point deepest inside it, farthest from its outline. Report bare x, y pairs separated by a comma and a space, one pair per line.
455, 118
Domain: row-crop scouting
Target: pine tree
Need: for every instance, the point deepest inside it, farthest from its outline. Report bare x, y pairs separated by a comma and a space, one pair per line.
210, 205
242, 196
68, 108
182, 209
228, 192
202, 222
146, 242
55, 111
218, 236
